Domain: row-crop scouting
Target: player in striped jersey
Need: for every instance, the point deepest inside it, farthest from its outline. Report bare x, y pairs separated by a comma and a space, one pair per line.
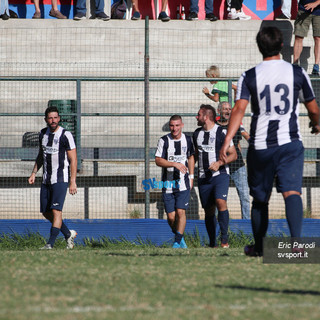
56, 150
175, 154
275, 148
213, 180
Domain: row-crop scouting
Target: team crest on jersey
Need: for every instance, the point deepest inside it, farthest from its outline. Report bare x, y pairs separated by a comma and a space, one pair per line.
56, 141
184, 149
212, 139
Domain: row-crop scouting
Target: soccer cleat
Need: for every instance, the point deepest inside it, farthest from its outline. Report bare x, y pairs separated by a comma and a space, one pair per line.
225, 245
183, 244
47, 247
70, 240
251, 252
176, 245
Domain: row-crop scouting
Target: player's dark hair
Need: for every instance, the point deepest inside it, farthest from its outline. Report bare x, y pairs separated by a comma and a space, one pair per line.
51, 109
175, 117
210, 111
269, 41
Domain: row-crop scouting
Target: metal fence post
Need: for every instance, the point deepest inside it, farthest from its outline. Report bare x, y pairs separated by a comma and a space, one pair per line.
78, 131
146, 118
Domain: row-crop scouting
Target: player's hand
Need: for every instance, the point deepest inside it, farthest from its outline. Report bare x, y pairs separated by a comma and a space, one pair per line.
205, 90
223, 154
214, 166
32, 178
314, 129
73, 188
181, 167
311, 6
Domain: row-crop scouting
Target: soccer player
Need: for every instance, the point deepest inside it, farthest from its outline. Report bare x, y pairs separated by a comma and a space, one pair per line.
275, 146
56, 150
175, 154
213, 181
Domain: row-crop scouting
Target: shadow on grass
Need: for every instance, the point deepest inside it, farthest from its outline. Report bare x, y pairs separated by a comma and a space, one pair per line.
263, 289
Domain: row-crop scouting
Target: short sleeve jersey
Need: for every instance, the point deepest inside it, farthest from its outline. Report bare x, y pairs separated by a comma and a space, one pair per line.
274, 102
54, 149
208, 143
175, 150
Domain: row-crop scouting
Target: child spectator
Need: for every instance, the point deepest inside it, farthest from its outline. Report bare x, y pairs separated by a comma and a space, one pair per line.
220, 90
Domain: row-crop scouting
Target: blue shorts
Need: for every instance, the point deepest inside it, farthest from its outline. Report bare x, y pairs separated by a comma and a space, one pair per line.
213, 188
52, 196
285, 163
176, 200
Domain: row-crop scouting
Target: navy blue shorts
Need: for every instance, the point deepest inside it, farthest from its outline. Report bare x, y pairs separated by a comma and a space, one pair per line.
176, 200
52, 196
213, 188
285, 163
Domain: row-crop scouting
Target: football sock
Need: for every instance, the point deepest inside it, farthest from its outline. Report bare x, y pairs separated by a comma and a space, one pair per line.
223, 219
53, 235
211, 223
294, 214
259, 221
65, 231
178, 237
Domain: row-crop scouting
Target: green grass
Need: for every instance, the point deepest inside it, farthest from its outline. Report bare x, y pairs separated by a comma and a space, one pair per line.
126, 281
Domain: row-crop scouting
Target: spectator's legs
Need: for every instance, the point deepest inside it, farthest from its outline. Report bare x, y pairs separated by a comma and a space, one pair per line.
135, 5
297, 49
194, 7
208, 6
316, 49
99, 6
239, 178
164, 5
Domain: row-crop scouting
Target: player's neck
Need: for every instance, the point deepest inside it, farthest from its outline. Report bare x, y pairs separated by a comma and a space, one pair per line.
208, 126
277, 57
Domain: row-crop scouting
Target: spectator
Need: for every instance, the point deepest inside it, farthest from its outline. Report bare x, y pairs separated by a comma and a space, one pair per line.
162, 15
194, 10
238, 171
220, 90
308, 13
54, 12
99, 11
213, 178
285, 10
234, 7
275, 89
175, 154
4, 10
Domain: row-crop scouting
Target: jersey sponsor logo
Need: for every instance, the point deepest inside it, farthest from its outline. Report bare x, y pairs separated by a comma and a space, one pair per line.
153, 184
179, 158
50, 150
207, 148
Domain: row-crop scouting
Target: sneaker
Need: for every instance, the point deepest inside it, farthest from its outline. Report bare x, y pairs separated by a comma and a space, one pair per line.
79, 16
315, 70
225, 245
282, 17
4, 16
192, 16
136, 16
102, 16
163, 16
176, 245
183, 244
211, 17
36, 15
13, 15
56, 14
243, 16
70, 240
47, 247
250, 251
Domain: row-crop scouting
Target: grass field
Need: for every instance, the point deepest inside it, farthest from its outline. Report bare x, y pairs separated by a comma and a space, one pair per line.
153, 283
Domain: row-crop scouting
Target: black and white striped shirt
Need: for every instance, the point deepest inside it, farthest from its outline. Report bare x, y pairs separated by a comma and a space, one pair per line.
54, 147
